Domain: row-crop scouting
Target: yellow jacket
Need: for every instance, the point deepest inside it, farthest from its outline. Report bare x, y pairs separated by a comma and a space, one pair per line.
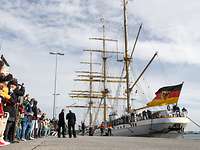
4, 93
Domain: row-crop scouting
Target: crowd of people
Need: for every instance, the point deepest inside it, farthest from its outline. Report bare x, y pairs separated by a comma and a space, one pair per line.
20, 117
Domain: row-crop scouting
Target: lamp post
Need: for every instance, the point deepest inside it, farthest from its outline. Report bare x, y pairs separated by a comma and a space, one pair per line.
55, 80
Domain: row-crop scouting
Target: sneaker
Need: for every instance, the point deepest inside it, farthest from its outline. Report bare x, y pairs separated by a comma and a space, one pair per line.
31, 138
23, 139
3, 143
7, 143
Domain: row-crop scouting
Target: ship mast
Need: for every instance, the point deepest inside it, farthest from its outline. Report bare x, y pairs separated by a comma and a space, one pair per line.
90, 102
104, 52
90, 92
105, 90
126, 57
99, 77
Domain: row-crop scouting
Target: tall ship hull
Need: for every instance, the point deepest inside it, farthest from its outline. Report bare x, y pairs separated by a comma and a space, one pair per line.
159, 127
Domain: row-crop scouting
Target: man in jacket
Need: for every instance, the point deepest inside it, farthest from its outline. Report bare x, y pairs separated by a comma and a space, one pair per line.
34, 119
61, 123
71, 117
11, 106
26, 122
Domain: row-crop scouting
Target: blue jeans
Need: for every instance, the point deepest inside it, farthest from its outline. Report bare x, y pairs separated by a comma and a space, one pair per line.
34, 128
18, 133
26, 128
46, 131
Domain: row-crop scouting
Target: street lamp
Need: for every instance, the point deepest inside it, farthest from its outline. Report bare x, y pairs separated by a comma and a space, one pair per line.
55, 81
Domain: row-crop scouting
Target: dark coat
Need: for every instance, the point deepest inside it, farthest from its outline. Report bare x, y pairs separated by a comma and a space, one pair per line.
34, 109
61, 120
71, 117
83, 126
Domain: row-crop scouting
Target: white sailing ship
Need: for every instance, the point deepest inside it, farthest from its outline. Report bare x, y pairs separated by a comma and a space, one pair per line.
145, 121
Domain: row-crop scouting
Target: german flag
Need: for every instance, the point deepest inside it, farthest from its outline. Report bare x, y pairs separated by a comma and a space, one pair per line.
166, 95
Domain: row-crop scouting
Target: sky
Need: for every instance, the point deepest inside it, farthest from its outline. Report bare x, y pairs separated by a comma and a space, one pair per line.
30, 29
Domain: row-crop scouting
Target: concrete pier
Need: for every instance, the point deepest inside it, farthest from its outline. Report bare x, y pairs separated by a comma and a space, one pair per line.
105, 143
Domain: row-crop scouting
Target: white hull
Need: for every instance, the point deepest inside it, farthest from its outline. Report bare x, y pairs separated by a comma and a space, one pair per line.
159, 127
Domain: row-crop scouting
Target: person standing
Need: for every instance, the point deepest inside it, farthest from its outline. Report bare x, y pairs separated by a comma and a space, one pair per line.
71, 117
61, 123
34, 119
26, 122
110, 129
83, 128
91, 131
102, 128
11, 106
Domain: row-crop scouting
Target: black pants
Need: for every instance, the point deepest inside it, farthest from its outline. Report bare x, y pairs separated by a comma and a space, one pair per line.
101, 131
71, 128
109, 132
63, 129
83, 132
90, 131
9, 132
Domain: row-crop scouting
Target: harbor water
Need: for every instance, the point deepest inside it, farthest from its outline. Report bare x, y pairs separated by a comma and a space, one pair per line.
191, 136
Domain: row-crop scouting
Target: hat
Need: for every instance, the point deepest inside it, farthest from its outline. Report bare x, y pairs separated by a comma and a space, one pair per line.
32, 100
9, 77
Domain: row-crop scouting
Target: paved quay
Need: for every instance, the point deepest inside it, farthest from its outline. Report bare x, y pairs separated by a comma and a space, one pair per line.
105, 143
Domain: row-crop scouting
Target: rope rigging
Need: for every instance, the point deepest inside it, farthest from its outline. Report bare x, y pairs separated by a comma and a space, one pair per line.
198, 125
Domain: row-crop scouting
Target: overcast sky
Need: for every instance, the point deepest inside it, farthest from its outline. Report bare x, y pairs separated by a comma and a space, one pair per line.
30, 29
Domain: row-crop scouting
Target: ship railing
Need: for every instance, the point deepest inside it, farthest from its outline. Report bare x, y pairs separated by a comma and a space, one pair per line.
135, 117
158, 114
